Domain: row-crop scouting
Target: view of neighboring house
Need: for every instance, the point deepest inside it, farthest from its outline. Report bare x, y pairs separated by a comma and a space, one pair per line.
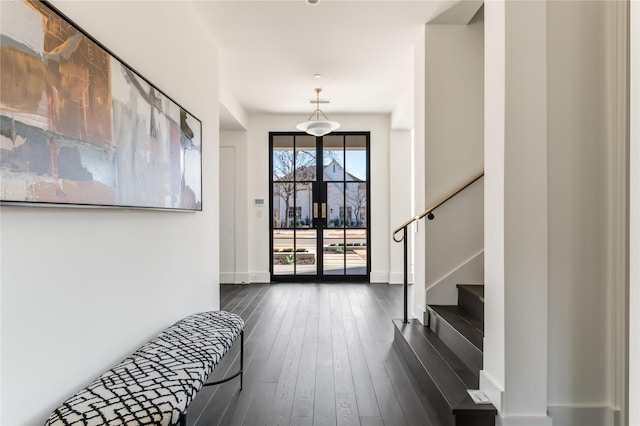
346, 198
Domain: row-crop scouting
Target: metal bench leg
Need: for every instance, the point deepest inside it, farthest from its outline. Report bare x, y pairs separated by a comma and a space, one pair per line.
239, 372
183, 419
241, 356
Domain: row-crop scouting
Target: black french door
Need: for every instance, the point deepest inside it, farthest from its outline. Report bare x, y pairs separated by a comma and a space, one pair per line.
319, 196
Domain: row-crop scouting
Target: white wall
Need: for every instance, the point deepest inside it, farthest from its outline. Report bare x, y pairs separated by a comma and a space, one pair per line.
583, 194
455, 245
400, 200
235, 205
454, 141
258, 187
454, 110
634, 220
82, 288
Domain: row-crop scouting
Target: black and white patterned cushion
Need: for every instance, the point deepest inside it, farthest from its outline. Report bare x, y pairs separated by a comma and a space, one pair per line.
156, 384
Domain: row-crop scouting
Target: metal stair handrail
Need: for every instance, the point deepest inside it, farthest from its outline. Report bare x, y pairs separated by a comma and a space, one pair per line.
429, 214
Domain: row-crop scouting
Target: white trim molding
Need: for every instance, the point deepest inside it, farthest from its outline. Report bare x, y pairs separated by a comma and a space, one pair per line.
227, 278
241, 278
259, 277
583, 415
526, 421
379, 277
633, 409
617, 205
398, 278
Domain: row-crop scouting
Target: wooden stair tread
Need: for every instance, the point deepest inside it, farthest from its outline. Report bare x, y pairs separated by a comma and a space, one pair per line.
448, 373
467, 326
468, 378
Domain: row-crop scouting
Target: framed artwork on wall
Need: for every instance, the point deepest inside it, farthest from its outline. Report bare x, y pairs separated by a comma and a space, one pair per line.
79, 127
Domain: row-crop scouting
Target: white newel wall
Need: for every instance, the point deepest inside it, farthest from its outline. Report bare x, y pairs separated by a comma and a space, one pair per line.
516, 227
493, 375
419, 242
82, 288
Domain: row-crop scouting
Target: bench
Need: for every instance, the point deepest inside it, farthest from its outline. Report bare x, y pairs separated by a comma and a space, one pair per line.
156, 384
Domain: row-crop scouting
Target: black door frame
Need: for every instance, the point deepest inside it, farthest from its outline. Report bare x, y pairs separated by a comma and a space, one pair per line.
319, 193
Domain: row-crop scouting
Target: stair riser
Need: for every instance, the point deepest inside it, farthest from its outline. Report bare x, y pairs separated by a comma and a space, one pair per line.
471, 420
465, 350
471, 304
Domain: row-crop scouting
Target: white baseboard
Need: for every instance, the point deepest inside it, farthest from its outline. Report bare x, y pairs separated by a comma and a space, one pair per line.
557, 415
259, 277
496, 394
584, 415
421, 315
227, 277
231, 278
525, 421
379, 277
398, 278
242, 278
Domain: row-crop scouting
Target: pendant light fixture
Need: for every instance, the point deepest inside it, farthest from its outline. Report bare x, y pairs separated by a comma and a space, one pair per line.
318, 127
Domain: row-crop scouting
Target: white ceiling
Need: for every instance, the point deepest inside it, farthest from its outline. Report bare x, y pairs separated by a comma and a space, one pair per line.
270, 51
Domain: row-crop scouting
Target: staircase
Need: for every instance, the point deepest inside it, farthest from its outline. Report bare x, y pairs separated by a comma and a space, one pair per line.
446, 357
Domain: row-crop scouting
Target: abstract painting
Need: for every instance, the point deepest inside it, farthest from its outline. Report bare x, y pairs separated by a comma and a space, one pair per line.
80, 127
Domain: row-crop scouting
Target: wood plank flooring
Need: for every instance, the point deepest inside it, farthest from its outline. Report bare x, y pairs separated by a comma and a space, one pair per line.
315, 354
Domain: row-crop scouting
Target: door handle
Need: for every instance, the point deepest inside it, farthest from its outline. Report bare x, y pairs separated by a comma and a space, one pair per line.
315, 210
324, 210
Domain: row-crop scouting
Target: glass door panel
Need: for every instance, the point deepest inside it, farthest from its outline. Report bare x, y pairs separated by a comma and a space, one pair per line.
294, 235
319, 206
283, 258
356, 251
305, 243
282, 205
356, 201
333, 252
355, 152
282, 158
333, 158
305, 161
335, 205
305, 252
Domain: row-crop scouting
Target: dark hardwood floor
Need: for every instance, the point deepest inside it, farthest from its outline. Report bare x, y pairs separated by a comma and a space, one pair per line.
315, 354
